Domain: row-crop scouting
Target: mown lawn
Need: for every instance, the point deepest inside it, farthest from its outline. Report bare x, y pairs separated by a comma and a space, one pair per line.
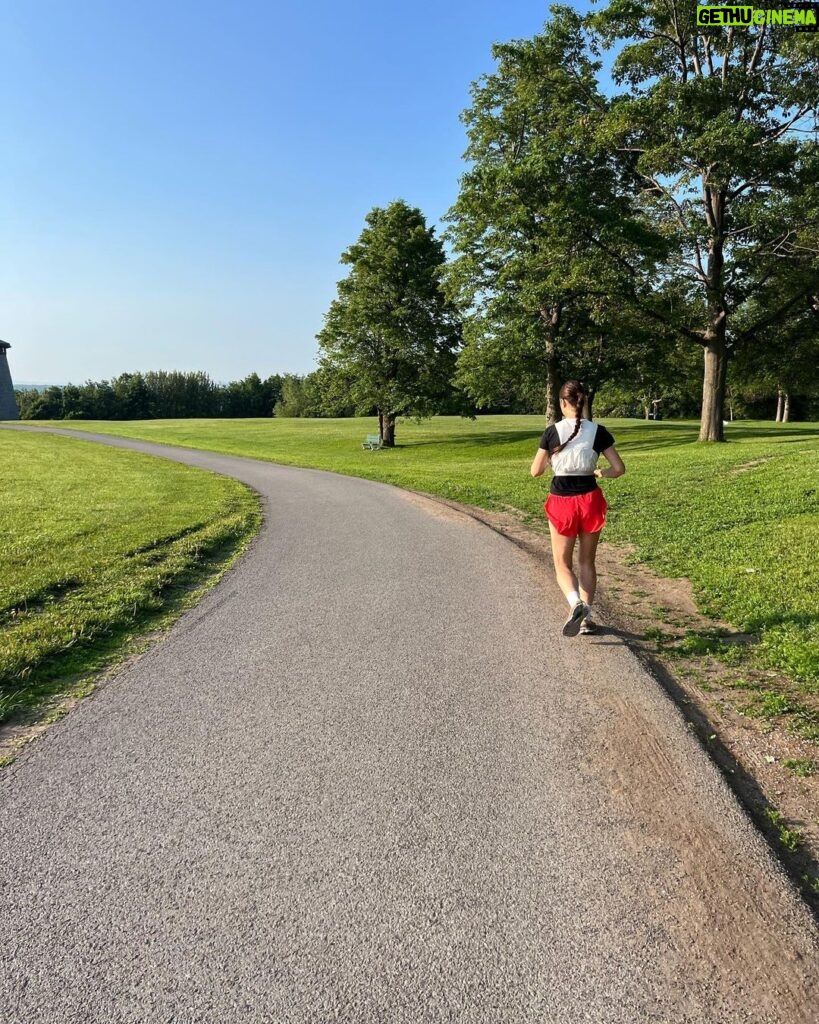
94, 543
740, 520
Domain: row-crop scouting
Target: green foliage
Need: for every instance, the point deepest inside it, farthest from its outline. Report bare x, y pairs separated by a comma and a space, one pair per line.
540, 227
790, 838
391, 334
769, 704
154, 395
655, 373
594, 233
786, 359
95, 540
712, 132
299, 397
699, 643
804, 767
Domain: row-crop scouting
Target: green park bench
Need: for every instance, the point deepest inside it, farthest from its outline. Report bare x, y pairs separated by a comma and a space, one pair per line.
372, 443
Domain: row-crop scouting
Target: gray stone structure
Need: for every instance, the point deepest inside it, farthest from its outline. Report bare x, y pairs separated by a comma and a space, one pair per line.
8, 403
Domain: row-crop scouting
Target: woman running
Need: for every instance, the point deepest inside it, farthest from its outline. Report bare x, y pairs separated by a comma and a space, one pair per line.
576, 506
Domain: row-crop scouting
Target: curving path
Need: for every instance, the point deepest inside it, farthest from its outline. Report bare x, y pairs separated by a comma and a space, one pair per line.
366, 780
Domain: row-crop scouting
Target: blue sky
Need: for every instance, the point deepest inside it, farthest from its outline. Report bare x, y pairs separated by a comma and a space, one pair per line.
178, 180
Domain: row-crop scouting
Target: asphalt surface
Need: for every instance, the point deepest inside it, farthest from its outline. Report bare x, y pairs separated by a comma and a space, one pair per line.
367, 780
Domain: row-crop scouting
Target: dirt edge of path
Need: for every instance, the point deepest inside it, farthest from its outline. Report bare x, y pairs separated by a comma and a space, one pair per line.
748, 751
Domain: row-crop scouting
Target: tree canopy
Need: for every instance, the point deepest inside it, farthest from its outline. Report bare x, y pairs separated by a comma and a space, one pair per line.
391, 334
684, 204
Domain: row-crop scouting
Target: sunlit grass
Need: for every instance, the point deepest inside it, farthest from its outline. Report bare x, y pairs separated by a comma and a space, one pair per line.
94, 541
740, 520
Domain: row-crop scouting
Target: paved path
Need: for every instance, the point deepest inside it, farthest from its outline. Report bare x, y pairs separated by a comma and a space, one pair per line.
366, 780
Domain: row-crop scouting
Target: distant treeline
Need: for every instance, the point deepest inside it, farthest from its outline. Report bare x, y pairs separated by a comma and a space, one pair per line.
175, 395
162, 394
157, 395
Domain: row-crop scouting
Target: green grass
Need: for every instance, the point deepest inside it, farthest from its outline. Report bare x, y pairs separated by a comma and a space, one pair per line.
804, 767
746, 536
769, 704
95, 541
791, 838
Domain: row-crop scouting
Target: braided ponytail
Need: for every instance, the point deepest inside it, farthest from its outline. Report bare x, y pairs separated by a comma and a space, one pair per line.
572, 392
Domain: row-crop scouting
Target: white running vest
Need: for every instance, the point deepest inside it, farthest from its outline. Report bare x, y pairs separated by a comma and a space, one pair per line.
578, 458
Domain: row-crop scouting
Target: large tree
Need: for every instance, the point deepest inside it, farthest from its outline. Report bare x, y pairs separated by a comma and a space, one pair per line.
713, 128
544, 234
391, 332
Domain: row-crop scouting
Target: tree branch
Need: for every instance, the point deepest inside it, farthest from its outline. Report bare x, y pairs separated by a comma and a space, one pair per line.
661, 318
699, 256
741, 188
519, 143
696, 58
729, 40
679, 41
698, 270
773, 316
781, 131
657, 187
709, 213
596, 101
756, 55
706, 42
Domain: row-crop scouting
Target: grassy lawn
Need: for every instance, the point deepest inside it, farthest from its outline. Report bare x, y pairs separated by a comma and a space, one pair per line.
96, 543
740, 520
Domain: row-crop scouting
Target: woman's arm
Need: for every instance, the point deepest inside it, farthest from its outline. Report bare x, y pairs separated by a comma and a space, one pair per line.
616, 465
540, 462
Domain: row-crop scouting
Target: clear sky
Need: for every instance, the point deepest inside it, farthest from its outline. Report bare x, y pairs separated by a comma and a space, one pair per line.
178, 179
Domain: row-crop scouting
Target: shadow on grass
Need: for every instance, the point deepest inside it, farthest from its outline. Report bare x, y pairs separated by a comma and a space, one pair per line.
497, 438
633, 436
494, 437
800, 620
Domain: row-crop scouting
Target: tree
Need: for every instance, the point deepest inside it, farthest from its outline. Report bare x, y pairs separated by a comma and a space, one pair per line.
391, 331
41, 405
332, 388
176, 394
132, 397
787, 364
709, 130
545, 237
251, 396
298, 398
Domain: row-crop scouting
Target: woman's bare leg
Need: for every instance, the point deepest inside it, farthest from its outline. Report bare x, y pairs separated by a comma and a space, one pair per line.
562, 551
586, 570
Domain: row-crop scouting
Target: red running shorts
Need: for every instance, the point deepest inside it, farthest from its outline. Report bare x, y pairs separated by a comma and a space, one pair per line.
571, 514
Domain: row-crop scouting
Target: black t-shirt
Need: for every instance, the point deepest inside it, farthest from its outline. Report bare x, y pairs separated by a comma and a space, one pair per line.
575, 484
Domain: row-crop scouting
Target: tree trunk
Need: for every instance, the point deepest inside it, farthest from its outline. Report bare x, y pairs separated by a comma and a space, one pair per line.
587, 408
386, 428
551, 317
713, 390
715, 350
647, 408
779, 406
786, 408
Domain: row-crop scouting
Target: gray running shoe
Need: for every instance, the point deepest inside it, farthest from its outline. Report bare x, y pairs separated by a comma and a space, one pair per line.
588, 627
571, 627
